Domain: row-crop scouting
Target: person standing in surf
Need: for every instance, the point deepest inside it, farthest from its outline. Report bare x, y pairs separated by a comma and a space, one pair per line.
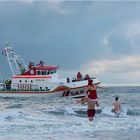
91, 99
117, 107
92, 93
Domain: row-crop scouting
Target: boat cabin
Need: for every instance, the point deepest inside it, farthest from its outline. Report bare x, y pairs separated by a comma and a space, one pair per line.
39, 77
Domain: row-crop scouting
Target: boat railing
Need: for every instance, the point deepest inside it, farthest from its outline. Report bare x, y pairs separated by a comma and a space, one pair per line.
82, 79
4, 87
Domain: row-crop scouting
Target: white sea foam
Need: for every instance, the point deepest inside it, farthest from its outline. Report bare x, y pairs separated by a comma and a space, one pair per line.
64, 118
66, 122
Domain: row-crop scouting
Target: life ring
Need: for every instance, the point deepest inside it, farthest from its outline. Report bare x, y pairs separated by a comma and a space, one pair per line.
32, 72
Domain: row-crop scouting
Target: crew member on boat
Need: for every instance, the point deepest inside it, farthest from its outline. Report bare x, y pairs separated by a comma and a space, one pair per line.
79, 76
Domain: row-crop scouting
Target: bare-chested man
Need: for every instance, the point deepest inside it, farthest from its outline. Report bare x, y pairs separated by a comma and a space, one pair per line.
117, 106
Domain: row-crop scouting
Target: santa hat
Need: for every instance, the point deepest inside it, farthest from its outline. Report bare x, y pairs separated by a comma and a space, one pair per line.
90, 82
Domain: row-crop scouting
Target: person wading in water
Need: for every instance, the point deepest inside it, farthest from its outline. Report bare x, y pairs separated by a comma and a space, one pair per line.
117, 107
91, 99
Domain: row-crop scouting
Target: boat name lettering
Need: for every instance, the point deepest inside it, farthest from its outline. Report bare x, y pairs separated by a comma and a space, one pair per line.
73, 93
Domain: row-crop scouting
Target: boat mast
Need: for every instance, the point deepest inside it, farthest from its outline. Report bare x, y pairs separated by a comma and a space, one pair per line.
10, 57
16, 63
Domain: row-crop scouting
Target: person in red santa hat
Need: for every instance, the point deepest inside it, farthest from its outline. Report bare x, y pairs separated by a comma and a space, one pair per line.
91, 98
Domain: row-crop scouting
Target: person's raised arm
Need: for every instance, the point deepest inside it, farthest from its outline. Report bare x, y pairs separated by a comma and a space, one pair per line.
101, 87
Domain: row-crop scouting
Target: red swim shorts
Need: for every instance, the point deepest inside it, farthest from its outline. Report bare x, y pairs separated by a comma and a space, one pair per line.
91, 112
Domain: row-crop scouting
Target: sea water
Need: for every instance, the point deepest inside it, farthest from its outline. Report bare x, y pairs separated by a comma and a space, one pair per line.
63, 118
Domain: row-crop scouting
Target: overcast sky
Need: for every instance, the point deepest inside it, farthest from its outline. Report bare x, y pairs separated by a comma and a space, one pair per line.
96, 37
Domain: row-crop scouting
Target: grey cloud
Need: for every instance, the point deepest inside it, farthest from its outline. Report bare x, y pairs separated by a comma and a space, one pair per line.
67, 40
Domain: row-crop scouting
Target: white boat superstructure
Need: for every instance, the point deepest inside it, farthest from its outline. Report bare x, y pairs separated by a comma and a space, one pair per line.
39, 79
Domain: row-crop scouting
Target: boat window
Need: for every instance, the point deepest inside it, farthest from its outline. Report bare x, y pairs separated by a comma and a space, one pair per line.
54, 71
26, 81
46, 88
43, 72
38, 72
48, 72
20, 81
51, 71
31, 81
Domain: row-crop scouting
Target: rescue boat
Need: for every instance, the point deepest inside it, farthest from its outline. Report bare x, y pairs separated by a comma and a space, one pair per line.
39, 80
